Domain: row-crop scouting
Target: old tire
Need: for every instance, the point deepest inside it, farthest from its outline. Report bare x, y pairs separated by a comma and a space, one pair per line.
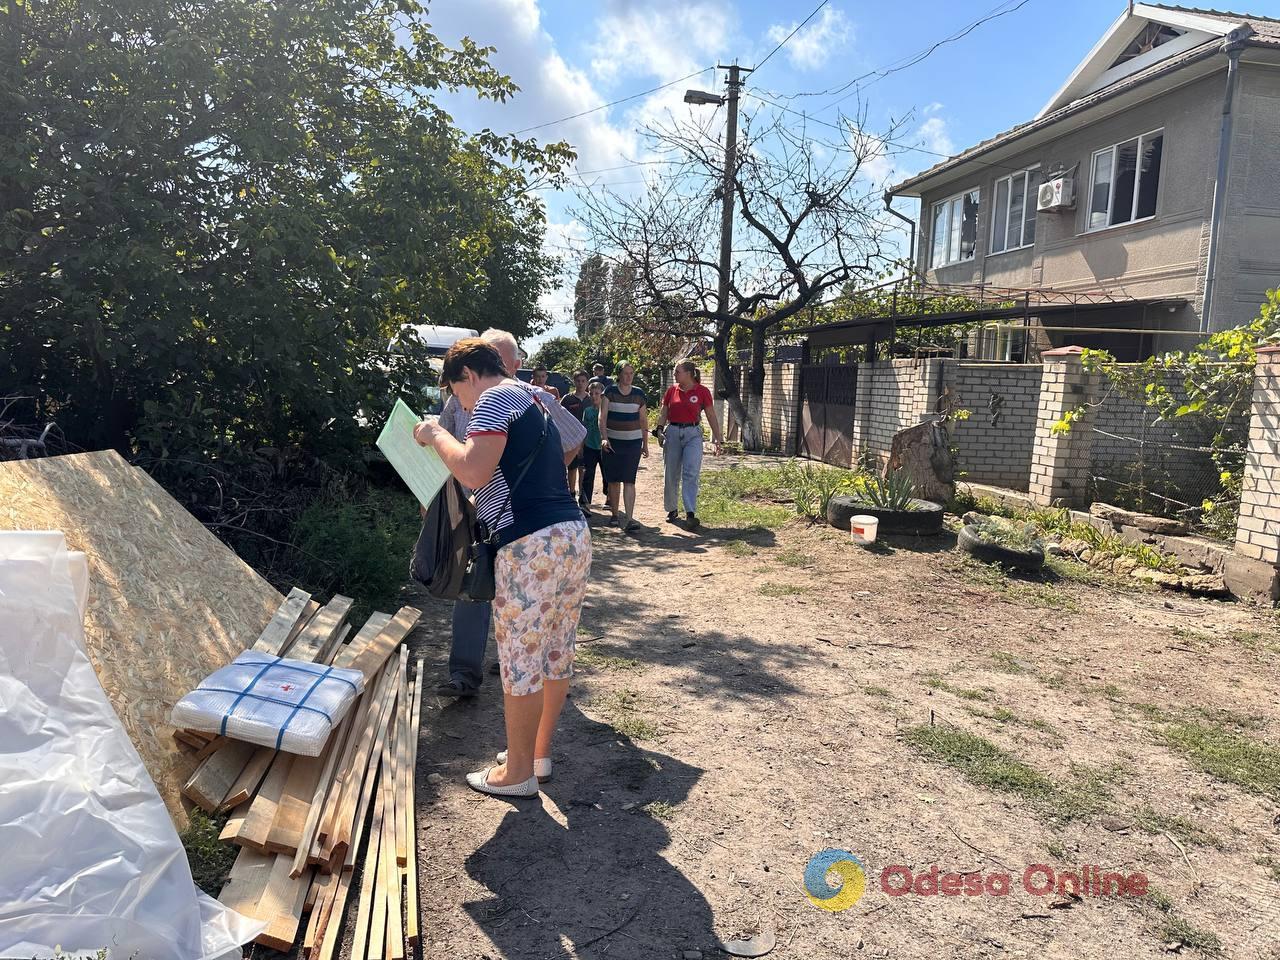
971, 542
926, 519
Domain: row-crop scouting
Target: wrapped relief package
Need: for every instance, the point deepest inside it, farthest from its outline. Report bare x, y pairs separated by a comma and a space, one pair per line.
289, 705
91, 857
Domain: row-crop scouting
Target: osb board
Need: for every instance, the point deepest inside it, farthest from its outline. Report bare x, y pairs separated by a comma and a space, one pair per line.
168, 602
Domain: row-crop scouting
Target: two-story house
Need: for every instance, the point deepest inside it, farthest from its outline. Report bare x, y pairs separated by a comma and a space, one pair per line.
1150, 182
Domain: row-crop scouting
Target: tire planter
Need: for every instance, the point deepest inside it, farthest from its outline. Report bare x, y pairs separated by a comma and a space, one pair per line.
971, 542
925, 520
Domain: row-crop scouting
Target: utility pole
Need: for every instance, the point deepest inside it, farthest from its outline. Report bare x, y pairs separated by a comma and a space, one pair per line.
730, 172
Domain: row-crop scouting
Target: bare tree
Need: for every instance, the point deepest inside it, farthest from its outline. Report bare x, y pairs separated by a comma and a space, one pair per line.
809, 220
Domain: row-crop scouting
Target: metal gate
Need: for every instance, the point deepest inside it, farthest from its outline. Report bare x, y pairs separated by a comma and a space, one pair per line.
827, 396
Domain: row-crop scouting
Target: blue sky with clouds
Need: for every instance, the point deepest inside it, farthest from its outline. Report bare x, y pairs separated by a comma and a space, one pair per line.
570, 56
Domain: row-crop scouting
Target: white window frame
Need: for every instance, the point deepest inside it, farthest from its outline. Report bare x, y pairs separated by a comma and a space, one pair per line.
1028, 203
1112, 152
946, 205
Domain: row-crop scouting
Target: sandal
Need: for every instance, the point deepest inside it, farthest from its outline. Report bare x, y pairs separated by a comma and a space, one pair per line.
479, 782
633, 526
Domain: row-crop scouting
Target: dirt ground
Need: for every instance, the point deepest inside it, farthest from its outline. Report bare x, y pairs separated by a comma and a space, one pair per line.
747, 699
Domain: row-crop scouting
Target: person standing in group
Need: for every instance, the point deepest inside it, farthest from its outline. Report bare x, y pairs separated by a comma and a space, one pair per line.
471, 619
591, 448
624, 416
512, 458
571, 429
576, 403
681, 416
539, 379
598, 376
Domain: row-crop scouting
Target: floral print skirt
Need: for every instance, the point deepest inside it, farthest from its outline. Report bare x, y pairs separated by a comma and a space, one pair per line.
541, 581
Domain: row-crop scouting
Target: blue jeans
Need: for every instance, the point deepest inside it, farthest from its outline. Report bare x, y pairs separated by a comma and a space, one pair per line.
470, 637
682, 460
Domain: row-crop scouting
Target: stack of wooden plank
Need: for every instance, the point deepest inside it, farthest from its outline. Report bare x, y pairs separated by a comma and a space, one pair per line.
300, 821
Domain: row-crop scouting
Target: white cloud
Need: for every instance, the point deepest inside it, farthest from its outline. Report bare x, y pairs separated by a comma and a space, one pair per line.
663, 39
812, 47
927, 144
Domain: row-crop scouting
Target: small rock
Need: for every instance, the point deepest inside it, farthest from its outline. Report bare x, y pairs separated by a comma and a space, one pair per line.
434, 779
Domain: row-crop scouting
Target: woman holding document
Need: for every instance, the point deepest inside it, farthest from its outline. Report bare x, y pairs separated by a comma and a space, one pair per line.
512, 458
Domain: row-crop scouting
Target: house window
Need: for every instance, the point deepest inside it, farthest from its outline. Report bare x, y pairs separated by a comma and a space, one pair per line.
1013, 218
955, 229
1125, 180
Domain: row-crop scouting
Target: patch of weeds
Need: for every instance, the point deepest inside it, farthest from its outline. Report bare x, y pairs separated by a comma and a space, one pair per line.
1075, 572
1255, 641
660, 810
1229, 718
588, 657
1179, 930
739, 548
874, 691
982, 762
1007, 662
209, 857
1054, 681
1153, 822
1005, 716
935, 682
621, 710
1227, 755
746, 497
1159, 899
793, 558
781, 589
1150, 711
1112, 692
1055, 850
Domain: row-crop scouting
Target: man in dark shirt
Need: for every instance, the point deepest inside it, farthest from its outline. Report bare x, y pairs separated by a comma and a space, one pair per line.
576, 403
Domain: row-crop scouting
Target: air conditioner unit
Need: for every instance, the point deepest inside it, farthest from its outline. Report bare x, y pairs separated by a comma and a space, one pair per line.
1057, 194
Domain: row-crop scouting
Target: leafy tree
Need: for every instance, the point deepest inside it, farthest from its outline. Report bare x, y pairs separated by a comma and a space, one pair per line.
215, 214
559, 353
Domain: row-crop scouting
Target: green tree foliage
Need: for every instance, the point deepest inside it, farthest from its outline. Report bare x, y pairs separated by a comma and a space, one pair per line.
215, 214
1206, 390
559, 353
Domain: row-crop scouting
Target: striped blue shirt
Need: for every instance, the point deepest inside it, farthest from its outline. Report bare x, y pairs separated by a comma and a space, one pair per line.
624, 413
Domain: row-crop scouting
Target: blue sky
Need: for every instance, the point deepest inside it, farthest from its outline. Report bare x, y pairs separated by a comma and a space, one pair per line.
570, 57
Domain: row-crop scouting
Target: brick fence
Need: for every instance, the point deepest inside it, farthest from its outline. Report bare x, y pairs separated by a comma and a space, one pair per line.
1008, 439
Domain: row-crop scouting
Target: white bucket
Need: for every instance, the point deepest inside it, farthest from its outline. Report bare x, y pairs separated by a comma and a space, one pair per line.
862, 529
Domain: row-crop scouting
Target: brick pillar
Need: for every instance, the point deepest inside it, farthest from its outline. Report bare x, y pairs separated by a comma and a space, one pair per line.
1254, 570
1060, 462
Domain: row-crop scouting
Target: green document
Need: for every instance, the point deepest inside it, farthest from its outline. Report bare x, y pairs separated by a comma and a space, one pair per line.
420, 468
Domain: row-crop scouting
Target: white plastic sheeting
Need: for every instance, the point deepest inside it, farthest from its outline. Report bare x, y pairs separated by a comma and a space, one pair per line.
90, 858
289, 705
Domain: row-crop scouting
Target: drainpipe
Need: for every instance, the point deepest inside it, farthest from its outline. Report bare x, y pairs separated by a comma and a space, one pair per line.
888, 205
1231, 46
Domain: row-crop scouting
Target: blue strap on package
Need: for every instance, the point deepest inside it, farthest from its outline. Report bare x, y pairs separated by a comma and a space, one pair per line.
289, 705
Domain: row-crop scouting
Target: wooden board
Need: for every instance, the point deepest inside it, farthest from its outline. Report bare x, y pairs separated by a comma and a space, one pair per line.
412, 907
209, 785
322, 629
330, 934
250, 778
262, 810
371, 659
281, 628
281, 905
168, 602
246, 881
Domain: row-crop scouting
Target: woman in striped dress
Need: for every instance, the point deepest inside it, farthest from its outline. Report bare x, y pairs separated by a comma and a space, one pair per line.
624, 419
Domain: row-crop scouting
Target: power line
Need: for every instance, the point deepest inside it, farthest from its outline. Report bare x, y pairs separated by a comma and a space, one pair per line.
614, 103
881, 72
793, 33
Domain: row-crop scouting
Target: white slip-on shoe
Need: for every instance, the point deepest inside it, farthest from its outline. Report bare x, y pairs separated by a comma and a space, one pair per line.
541, 766
479, 781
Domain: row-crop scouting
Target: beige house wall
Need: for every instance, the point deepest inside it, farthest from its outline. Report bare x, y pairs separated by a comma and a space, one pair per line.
1166, 255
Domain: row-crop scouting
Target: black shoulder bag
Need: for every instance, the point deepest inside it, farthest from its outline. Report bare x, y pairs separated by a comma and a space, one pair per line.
480, 583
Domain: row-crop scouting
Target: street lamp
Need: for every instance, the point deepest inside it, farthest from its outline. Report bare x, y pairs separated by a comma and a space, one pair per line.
700, 98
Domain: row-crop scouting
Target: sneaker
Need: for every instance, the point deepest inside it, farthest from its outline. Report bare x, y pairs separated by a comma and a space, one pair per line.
672, 516
455, 688
694, 522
